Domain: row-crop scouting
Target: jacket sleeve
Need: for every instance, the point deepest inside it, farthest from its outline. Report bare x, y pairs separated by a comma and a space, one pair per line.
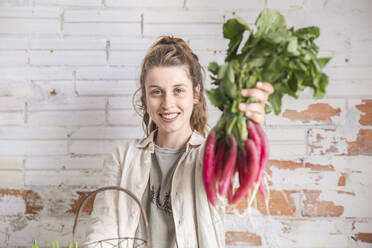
104, 218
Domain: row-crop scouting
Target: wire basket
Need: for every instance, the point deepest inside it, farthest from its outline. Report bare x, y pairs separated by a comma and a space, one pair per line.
114, 242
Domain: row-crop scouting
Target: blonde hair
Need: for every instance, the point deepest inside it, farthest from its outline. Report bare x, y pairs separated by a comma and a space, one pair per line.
171, 51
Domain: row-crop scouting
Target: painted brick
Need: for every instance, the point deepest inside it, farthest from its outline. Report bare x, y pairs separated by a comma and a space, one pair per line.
93, 3
309, 112
127, 58
11, 178
313, 207
289, 174
183, 16
123, 117
42, 92
130, 44
102, 29
279, 203
11, 163
22, 74
29, 12
63, 163
60, 101
13, 58
11, 104
361, 112
145, 3
205, 57
13, 43
14, 118
345, 141
107, 73
107, 15
350, 88
208, 44
106, 87
183, 30
27, 201
122, 102
286, 142
67, 57
30, 133
60, 178
220, 4
14, 26
242, 238
87, 207
296, 4
24, 230
349, 73
67, 43
67, 118
362, 233
127, 132
31, 148
97, 147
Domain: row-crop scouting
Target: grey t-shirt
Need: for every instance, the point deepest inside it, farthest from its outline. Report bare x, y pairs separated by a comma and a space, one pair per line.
157, 198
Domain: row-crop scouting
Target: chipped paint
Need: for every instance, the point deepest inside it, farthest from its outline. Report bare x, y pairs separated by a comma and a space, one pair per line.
313, 207
32, 200
320, 112
366, 112
242, 238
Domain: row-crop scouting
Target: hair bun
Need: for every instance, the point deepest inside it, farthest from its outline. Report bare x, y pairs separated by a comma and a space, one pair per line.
167, 42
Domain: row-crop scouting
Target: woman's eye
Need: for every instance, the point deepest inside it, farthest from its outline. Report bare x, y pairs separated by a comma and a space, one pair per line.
178, 91
156, 92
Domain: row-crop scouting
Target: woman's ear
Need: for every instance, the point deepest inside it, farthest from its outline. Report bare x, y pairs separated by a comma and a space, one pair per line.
197, 94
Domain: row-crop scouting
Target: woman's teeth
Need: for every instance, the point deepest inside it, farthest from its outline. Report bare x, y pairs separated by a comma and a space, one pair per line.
170, 116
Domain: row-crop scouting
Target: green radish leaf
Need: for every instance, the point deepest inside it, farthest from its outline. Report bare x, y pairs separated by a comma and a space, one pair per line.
213, 67
233, 30
308, 33
269, 21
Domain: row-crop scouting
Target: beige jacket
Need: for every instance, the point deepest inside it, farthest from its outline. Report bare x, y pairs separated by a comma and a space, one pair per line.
197, 222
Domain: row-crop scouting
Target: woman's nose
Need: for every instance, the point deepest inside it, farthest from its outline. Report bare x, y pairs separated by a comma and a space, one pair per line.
168, 100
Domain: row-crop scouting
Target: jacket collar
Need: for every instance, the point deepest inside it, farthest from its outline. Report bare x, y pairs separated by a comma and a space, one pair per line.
195, 140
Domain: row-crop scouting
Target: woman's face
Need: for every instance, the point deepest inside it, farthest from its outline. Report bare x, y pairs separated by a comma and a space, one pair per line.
170, 99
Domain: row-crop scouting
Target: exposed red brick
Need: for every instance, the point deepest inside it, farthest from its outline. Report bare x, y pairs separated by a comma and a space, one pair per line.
88, 206
242, 238
345, 192
286, 164
32, 200
319, 167
241, 206
364, 237
366, 109
362, 145
321, 112
315, 208
280, 203
342, 180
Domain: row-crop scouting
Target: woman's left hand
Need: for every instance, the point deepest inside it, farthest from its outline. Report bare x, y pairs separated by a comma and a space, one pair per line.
256, 111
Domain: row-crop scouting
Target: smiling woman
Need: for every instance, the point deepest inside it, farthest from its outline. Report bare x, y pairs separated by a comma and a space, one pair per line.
164, 169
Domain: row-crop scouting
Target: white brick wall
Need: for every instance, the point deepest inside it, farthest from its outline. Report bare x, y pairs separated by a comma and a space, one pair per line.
68, 69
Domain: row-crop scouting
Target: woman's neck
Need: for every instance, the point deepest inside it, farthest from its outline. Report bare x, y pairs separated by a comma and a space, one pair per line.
172, 140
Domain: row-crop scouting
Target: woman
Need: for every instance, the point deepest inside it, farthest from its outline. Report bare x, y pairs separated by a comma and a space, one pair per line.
164, 169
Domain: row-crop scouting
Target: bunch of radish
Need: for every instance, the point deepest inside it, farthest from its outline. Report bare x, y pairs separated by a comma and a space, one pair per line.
285, 57
224, 157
